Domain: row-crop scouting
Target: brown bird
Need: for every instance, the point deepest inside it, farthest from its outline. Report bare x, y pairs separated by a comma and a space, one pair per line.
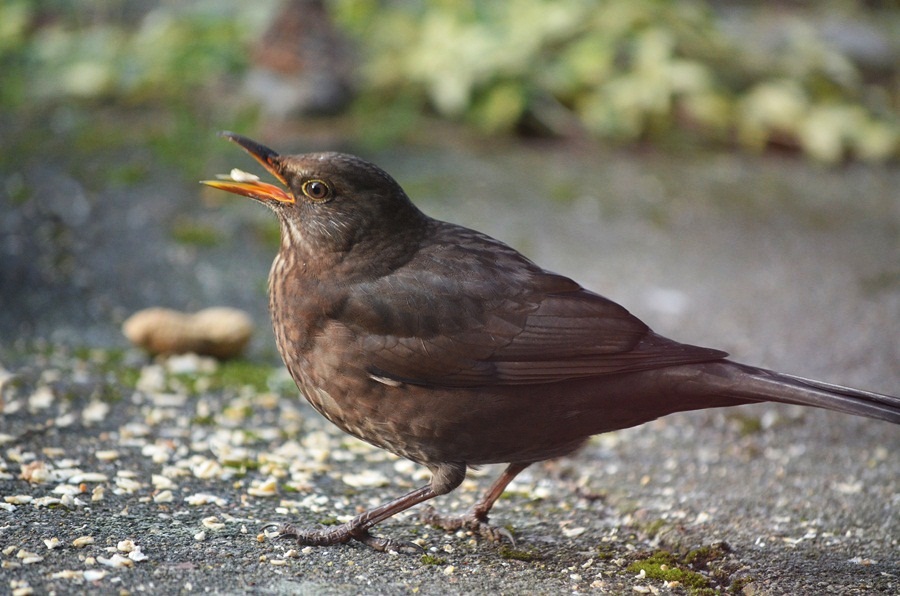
449, 348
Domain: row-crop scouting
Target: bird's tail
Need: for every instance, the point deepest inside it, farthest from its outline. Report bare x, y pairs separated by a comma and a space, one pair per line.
759, 384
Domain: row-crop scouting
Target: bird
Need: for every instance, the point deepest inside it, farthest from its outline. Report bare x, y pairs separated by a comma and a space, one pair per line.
449, 348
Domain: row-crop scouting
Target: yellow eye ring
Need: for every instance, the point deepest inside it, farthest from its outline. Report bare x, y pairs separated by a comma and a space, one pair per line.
316, 190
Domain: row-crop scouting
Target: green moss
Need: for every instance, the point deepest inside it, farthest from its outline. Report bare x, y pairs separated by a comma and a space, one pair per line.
663, 566
740, 583
700, 557
329, 521
514, 554
243, 465
653, 528
203, 420
241, 373
433, 560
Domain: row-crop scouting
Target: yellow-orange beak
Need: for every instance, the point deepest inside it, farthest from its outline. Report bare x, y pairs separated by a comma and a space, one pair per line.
249, 185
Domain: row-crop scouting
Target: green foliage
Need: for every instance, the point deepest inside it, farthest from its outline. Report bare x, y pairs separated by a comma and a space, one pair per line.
193, 233
622, 70
66, 66
168, 54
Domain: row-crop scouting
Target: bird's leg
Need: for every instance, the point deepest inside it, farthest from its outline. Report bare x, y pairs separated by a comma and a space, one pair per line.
445, 478
476, 518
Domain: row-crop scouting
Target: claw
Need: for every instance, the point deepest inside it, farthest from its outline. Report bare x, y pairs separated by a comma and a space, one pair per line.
387, 544
505, 533
341, 535
272, 525
471, 520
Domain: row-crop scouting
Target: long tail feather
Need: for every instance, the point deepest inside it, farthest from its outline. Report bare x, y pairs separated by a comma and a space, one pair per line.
766, 385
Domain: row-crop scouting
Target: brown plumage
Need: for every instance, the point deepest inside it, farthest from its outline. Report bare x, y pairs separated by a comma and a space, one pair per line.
447, 347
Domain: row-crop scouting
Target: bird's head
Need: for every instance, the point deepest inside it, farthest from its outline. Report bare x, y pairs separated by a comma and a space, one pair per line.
329, 202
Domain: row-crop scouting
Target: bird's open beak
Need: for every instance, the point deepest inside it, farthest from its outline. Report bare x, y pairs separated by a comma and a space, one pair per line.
249, 185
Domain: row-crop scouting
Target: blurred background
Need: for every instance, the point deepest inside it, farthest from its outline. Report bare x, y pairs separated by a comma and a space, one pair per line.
563, 117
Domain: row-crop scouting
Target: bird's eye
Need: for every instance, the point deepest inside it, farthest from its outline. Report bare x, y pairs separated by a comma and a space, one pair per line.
316, 190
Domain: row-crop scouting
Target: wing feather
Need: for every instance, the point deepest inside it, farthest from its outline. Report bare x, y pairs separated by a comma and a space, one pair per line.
504, 321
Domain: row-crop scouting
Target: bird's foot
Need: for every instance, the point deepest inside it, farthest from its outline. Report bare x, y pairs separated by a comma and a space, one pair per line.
342, 534
472, 521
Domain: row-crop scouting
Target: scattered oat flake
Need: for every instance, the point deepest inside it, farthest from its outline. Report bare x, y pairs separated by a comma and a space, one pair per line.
365, 479
97, 493
849, 488
128, 485
95, 411
23, 591
88, 477
82, 541
107, 455
45, 502
126, 546
200, 536
212, 522
203, 499
242, 176
53, 543
116, 561
93, 575
67, 574
207, 469
9, 550
41, 399
35, 472
66, 420
268, 488
863, 561
19, 499
573, 532
28, 557
137, 555
165, 496
278, 562
449, 569
66, 489
162, 482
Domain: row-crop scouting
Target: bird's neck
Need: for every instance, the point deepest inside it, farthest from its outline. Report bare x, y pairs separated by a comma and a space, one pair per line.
318, 259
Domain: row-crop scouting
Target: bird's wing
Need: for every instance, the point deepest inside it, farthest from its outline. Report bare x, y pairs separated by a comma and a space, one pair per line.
476, 318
